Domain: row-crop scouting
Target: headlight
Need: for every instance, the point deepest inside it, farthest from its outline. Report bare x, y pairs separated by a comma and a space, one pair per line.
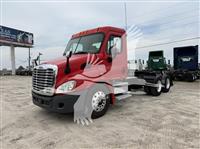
66, 87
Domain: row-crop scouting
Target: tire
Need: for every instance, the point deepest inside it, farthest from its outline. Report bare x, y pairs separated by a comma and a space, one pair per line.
147, 90
156, 91
100, 110
167, 85
193, 78
190, 77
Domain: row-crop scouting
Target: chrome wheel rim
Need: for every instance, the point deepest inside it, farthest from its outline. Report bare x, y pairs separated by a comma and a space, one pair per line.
193, 77
159, 86
167, 83
98, 101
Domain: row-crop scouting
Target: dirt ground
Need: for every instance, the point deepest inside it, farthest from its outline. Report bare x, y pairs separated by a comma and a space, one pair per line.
170, 121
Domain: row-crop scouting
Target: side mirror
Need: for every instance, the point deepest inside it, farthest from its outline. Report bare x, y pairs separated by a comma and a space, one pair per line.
69, 54
67, 68
113, 52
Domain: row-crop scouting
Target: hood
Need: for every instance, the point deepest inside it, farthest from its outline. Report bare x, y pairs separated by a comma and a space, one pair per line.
75, 61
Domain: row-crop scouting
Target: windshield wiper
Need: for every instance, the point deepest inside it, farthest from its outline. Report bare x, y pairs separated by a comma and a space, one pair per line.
81, 52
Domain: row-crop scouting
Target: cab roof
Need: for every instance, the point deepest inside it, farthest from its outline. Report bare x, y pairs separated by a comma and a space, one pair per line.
99, 30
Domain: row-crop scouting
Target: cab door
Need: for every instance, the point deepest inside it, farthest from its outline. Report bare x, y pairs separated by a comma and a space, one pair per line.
116, 56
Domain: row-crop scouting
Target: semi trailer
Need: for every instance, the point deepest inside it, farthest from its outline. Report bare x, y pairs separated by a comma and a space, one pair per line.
94, 60
186, 63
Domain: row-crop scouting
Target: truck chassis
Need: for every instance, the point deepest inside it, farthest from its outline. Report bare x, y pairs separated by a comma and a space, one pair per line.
151, 82
186, 75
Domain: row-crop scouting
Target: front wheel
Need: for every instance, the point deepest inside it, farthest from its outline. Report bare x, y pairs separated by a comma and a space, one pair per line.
100, 100
147, 90
156, 91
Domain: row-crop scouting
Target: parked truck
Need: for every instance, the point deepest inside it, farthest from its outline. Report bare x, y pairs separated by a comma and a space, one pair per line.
157, 67
186, 63
55, 83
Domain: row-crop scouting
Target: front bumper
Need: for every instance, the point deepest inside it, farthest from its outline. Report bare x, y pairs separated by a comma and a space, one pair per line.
56, 103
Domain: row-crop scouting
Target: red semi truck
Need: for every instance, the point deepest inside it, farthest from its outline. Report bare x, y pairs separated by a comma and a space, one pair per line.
57, 84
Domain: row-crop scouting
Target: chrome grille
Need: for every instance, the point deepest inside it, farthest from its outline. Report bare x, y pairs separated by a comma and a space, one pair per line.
43, 79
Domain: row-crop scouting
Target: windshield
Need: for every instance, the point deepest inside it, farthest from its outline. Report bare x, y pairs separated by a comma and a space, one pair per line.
85, 44
186, 59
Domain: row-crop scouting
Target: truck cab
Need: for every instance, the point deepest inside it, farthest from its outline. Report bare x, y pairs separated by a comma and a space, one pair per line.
156, 61
56, 82
186, 63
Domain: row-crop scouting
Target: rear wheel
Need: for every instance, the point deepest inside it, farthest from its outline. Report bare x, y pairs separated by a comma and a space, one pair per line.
147, 90
167, 85
194, 77
190, 77
156, 91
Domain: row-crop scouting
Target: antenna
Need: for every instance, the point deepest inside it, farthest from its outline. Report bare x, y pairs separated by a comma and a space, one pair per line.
125, 16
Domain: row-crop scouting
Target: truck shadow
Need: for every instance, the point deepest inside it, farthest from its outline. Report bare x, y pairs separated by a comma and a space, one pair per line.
48, 115
138, 98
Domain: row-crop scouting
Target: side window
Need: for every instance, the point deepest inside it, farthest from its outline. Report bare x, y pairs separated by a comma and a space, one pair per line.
114, 43
74, 46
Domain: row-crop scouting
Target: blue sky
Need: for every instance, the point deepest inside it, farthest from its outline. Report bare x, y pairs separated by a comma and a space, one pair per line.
53, 23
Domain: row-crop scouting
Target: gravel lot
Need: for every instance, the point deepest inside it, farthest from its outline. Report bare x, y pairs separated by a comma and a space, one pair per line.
168, 121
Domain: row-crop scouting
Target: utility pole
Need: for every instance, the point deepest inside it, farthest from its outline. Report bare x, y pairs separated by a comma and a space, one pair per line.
29, 60
125, 16
12, 55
